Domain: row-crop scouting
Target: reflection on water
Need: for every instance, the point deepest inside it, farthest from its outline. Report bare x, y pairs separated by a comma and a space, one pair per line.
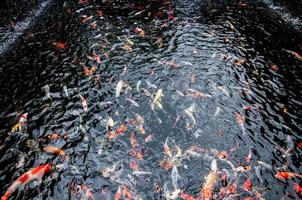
143, 107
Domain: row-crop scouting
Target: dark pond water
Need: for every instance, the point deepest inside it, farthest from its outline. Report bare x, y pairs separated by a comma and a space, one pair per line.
231, 86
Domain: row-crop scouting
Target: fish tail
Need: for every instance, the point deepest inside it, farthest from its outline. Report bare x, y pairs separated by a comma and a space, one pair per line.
6, 195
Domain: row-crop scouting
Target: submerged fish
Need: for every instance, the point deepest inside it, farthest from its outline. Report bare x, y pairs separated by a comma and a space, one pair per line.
287, 175
157, 99
295, 54
20, 124
33, 174
175, 178
208, 186
84, 103
119, 88
190, 111
240, 120
54, 150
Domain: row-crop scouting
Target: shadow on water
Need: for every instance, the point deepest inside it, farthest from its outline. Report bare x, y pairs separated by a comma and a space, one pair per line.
214, 61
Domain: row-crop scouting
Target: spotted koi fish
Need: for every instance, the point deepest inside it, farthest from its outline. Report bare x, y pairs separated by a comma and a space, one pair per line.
33, 174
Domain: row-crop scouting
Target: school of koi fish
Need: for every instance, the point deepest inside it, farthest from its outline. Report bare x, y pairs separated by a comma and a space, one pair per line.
164, 108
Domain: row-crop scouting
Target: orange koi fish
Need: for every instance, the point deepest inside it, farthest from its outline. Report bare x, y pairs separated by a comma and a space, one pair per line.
59, 45
247, 185
20, 124
84, 103
295, 54
298, 188
113, 134
89, 72
54, 150
287, 175
85, 191
33, 174
206, 192
239, 62
86, 18
240, 121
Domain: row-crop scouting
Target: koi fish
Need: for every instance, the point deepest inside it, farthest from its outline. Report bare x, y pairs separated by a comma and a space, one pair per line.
123, 192
210, 182
218, 109
298, 188
248, 158
85, 191
247, 185
258, 173
34, 174
295, 54
299, 145
290, 145
149, 138
113, 134
157, 99
65, 91
54, 150
135, 146
86, 18
167, 149
139, 31
239, 62
186, 196
196, 94
110, 122
240, 121
287, 175
59, 45
114, 169
132, 102
189, 111
84, 103
134, 165
20, 124
175, 176
119, 88
138, 85
127, 48
263, 164
89, 72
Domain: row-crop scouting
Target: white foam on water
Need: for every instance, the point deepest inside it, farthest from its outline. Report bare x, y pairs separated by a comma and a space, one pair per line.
12, 36
285, 15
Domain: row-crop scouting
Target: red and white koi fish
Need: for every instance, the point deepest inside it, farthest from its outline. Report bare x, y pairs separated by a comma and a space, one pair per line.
113, 134
84, 103
247, 185
85, 192
167, 149
135, 147
20, 124
123, 192
248, 158
33, 174
240, 120
206, 192
59, 45
298, 56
